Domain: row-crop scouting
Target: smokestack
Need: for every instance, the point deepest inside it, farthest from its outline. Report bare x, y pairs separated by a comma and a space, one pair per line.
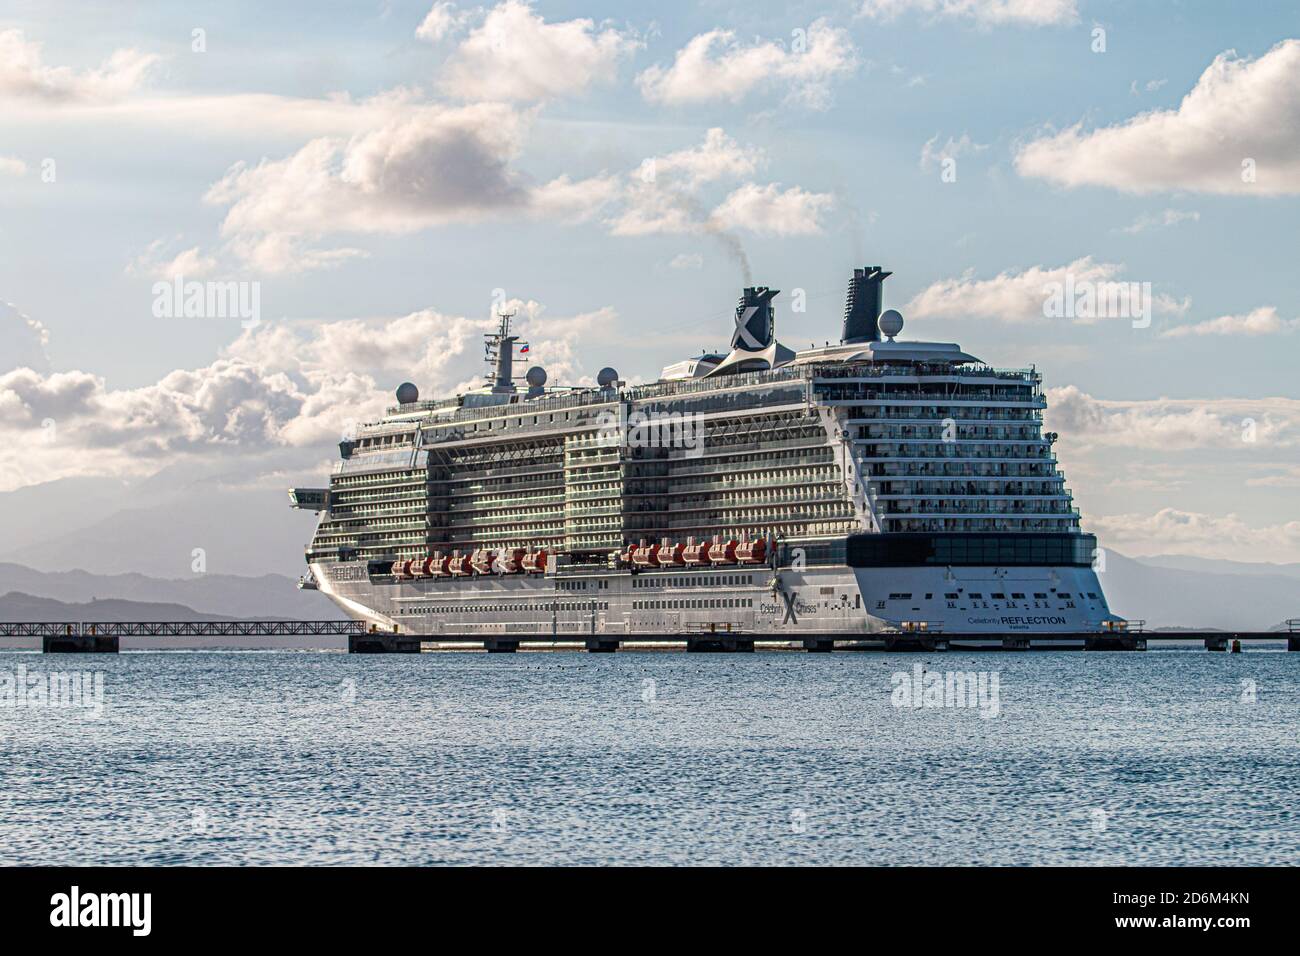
755, 320
862, 305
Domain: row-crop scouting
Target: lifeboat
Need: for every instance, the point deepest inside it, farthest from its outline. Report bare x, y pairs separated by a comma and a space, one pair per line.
628, 557
511, 561
646, 556
695, 554
420, 567
724, 552
398, 569
460, 565
441, 564
752, 552
670, 555
534, 562
481, 562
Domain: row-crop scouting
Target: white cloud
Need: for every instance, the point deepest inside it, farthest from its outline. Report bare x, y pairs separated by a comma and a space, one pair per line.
984, 12
278, 386
717, 66
933, 154
429, 167
1170, 217
441, 20
515, 55
158, 262
23, 74
1021, 296
686, 260
23, 340
1170, 530
1262, 321
12, 166
1165, 424
770, 211
1240, 111
718, 157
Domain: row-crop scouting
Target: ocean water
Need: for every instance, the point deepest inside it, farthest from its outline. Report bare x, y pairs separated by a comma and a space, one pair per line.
1173, 756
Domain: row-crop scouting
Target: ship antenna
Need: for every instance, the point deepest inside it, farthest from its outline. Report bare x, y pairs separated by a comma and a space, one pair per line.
498, 352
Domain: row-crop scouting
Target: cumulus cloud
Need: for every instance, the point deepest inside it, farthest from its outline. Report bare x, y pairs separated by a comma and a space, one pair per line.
24, 74
1022, 296
717, 66
158, 262
1262, 321
441, 20
1165, 424
770, 211
984, 12
1234, 133
429, 167
516, 55
278, 386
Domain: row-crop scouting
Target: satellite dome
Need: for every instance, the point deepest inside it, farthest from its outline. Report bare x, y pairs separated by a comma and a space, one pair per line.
606, 377
407, 393
536, 376
891, 322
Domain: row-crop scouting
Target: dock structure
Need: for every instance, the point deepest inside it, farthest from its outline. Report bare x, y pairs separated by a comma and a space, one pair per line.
104, 637
60, 637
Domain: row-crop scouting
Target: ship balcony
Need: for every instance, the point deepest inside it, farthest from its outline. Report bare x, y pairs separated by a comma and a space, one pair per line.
945, 511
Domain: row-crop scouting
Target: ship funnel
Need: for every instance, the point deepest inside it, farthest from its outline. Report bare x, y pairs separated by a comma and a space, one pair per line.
755, 320
862, 305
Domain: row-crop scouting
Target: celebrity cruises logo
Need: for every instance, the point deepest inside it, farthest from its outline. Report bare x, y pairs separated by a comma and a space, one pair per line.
73, 909
972, 690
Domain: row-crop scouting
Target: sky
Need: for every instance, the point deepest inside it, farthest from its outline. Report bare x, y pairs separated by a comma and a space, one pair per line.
385, 175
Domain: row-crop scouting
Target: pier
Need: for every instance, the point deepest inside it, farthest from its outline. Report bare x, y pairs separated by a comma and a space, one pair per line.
63, 637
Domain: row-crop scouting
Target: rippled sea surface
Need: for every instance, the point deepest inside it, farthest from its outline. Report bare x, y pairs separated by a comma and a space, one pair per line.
1173, 756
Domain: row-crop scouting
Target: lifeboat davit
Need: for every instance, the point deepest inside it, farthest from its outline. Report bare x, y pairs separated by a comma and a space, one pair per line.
460, 565
752, 552
398, 570
534, 562
512, 561
696, 554
670, 555
481, 562
441, 564
646, 557
724, 552
420, 567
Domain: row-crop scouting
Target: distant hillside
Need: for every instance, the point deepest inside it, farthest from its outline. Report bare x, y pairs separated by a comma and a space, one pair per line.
267, 596
16, 606
1183, 562
1169, 597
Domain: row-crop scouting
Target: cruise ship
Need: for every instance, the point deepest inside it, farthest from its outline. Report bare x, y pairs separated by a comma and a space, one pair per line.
872, 487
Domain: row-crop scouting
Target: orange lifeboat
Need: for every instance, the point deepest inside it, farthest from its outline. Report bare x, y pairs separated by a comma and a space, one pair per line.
628, 557
670, 555
512, 561
752, 552
460, 565
724, 552
695, 554
481, 562
534, 562
646, 557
